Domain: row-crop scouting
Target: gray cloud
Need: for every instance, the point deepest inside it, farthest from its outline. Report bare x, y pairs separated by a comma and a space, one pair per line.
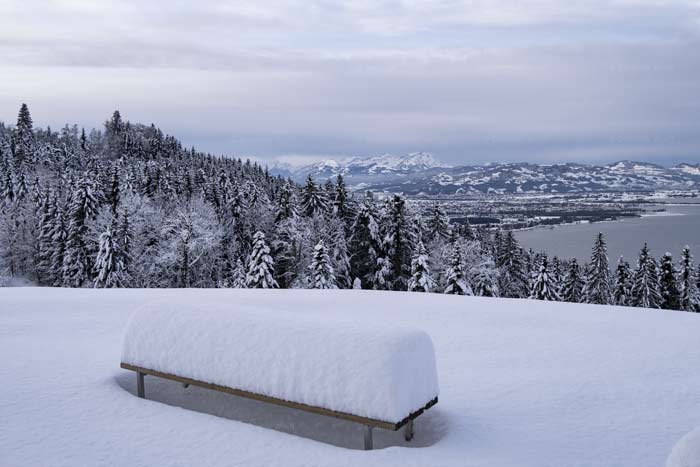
469, 81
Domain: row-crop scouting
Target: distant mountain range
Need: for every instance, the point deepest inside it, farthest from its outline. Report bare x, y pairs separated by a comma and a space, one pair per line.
420, 173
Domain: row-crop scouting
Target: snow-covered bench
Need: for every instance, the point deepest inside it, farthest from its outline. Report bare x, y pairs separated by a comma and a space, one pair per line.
375, 375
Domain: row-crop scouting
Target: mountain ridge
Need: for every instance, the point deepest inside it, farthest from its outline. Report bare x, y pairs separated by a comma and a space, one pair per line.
420, 173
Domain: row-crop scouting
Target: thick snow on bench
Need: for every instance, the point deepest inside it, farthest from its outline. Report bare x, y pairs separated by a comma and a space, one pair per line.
358, 367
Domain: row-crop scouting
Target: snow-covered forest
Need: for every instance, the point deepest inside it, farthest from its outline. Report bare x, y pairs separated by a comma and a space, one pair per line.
129, 206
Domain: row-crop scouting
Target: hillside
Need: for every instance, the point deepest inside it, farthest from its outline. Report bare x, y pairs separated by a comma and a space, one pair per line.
522, 383
421, 173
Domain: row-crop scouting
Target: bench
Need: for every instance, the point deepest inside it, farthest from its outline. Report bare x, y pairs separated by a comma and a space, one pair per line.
377, 376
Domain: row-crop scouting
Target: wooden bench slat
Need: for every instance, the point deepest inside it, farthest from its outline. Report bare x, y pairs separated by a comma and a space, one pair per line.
273, 400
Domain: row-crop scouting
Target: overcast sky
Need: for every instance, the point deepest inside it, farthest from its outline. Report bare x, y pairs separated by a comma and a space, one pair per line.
469, 81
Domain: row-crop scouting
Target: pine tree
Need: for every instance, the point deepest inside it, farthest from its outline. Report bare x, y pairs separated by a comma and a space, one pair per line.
260, 265
59, 237
112, 196
571, 289
8, 189
687, 283
398, 243
438, 224
238, 277
623, 286
598, 274
455, 279
76, 260
543, 287
45, 242
286, 205
23, 137
321, 275
109, 266
421, 280
313, 199
670, 296
365, 243
645, 286
484, 278
341, 203
513, 279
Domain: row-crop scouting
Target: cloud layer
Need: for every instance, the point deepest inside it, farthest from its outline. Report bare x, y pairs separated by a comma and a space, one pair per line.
470, 81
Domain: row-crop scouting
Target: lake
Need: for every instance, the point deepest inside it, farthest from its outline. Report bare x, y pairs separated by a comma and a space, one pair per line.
669, 231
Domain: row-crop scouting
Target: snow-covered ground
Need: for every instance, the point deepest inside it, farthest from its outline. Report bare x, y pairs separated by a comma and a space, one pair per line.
522, 383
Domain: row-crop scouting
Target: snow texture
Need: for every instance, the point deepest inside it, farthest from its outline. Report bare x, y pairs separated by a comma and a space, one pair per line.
686, 452
362, 368
522, 383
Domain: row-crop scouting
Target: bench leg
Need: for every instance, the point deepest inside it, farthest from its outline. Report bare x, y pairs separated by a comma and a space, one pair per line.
140, 387
368, 438
408, 434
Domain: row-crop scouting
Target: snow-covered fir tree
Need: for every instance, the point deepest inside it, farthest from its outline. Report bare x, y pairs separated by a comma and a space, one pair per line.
77, 259
421, 279
365, 243
511, 262
313, 199
645, 282
689, 297
260, 265
543, 287
109, 266
455, 278
598, 274
571, 289
398, 243
670, 296
437, 223
623, 284
321, 274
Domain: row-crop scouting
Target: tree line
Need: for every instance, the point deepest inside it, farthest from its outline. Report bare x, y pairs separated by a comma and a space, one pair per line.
128, 206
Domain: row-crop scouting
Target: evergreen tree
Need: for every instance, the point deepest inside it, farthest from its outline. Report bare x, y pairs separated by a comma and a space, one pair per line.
23, 137
341, 203
260, 265
455, 279
571, 289
76, 260
670, 296
313, 199
365, 243
687, 283
321, 275
438, 224
484, 277
598, 274
421, 279
645, 286
109, 266
59, 237
543, 287
513, 280
286, 205
398, 243
623, 286
45, 242
238, 277
8, 190
112, 195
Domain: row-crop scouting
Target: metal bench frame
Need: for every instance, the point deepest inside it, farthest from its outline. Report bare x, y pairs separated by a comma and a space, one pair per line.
369, 423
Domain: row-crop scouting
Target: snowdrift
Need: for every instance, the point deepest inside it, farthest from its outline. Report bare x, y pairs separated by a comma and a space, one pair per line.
361, 368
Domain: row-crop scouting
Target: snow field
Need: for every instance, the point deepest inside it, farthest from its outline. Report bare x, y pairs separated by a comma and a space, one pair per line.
522, 383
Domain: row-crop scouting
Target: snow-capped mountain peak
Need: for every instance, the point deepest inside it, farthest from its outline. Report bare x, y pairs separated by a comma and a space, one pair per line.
419, 172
